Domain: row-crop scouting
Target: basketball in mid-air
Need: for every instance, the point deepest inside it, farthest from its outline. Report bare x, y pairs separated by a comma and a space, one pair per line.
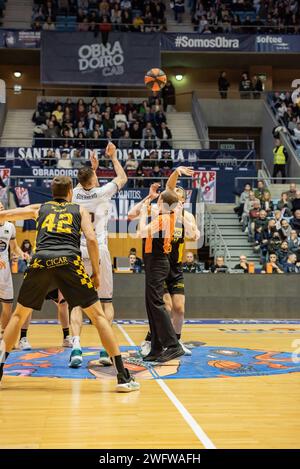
155, 79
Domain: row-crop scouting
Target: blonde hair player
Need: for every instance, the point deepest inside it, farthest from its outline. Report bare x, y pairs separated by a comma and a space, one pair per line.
97, 201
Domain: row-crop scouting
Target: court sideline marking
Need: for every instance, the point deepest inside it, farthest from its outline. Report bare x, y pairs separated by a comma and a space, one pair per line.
195, 427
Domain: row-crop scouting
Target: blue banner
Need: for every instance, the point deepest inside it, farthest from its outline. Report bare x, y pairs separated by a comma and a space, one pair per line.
30, 156
195, 42
85, 58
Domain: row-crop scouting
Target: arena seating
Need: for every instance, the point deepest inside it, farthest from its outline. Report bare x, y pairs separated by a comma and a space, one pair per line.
106, 15
273, 227
286, 107
248, 17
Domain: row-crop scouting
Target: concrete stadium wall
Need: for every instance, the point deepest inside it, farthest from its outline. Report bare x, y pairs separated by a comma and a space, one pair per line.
232, 112
208, 296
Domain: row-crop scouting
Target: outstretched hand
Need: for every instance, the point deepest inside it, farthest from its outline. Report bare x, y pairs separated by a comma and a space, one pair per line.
110, 150
94, 161
153, 194
185, 171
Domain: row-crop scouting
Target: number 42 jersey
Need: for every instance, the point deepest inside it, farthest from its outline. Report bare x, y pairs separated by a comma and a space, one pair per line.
97, 201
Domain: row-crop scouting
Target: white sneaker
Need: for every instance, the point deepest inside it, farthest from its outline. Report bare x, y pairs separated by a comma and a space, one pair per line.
126, 383
145, 348
187, 351
24, 344
67, 342
75, 358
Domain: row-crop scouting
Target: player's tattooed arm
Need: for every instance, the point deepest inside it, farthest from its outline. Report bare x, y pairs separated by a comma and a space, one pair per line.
92, 245
121, 179
23, 213
180, 171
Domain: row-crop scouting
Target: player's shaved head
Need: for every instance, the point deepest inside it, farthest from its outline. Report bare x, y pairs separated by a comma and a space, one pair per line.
169, 198
61, 186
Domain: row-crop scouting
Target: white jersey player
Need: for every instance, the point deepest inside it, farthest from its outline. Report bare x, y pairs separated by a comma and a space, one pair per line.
97, 201
8, 243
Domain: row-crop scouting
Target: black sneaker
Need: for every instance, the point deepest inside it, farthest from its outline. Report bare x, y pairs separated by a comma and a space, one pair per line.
126, 382
170, 353
152, 356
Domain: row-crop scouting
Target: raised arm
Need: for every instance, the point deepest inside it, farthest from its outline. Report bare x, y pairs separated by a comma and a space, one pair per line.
92, 245
180, 171
23, 213
135, 211
190, 226
121, 179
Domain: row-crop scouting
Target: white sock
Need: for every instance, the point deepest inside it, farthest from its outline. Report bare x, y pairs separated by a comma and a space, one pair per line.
76, 341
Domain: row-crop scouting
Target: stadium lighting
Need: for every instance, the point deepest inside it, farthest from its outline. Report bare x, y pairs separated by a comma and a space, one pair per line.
17, 74
179, 77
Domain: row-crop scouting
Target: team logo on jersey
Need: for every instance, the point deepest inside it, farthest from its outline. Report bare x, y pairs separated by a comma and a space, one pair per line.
36, 264
3, 245
205, 362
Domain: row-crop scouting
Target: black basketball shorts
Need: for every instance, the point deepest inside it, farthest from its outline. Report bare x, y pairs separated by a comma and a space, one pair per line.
66, 273
174, 284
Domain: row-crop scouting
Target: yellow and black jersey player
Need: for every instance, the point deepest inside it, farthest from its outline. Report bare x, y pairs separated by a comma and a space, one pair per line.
57, 263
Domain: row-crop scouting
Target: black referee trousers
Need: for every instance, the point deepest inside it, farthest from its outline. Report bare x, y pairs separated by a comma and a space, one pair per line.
162, 332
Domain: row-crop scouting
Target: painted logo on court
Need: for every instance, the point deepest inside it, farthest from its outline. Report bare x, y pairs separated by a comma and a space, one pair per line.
205, 362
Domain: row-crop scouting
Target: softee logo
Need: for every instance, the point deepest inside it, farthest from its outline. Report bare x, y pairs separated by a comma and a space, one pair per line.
219, 42
109, 58
269, 40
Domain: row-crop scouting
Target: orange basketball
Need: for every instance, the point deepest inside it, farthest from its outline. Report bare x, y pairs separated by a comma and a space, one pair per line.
155, 79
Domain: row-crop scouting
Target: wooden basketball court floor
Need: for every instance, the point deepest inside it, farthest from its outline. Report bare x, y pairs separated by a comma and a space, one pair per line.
224, 404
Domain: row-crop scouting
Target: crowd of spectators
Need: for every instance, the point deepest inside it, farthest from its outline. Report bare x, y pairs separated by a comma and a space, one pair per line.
245, 16
101, 15
273, 227
287, 108
71, 127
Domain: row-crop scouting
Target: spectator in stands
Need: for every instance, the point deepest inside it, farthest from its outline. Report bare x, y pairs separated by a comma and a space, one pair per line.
49, 25
285, 205
242, 265
135, 267
291, 194
125, 142
245, 86
131, 163
169, 97
274, 242
140, 178
243, 198
257, 87
190, 265
260, 190
248, 206
166, 161
275, 266
219, 267
157, 174
136, 135
50, 160
178, 10
292, 266
58, 113
77, 159
259, 221
138, 260
223, 85
294, 242
280, 160
150, 141
283, 253
285, 230
253, 215
52, 131
165, 136
295, 222
266, 202
296, 202
26, 247
64, 162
